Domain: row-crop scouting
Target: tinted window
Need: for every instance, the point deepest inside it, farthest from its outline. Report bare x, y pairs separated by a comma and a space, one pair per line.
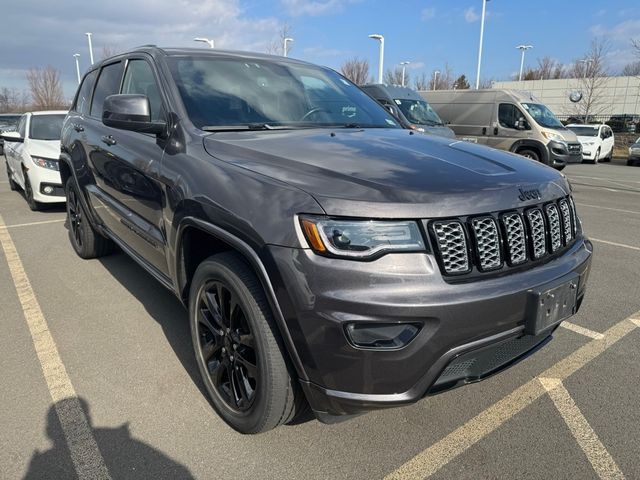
508, 115
542, 115
8, 122
139, 79
108, 84
220, 91
46, 127
83, 100
584, 131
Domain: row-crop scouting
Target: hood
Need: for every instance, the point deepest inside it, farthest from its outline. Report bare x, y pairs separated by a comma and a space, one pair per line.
389, 173
567, 134
442, 131
45, 148
582, 139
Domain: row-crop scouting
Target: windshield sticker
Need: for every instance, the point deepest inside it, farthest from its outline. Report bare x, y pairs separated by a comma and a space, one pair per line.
390, 122
399, 102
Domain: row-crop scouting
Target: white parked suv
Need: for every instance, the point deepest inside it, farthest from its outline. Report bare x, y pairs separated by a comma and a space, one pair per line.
597, 142
32, 154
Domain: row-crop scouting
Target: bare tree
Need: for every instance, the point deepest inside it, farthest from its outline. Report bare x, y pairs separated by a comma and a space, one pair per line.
356, 70
442, 81
421, 82
631, 69
46, 88
487, 82
276, 46
547, 68
394, 77
591, 72
108, 51
13, 100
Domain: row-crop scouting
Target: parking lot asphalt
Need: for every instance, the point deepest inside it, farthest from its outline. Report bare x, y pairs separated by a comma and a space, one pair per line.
120, 343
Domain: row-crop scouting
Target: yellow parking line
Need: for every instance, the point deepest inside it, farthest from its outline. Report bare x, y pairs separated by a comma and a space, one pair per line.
615, 244
600, 459
429, 461
32, 223
86, 456
581, 330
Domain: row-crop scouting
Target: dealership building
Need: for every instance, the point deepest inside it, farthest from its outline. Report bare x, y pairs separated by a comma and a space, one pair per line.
616, 95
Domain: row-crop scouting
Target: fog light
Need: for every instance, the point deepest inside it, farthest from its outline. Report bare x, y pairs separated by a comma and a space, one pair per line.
48, 190
382, 336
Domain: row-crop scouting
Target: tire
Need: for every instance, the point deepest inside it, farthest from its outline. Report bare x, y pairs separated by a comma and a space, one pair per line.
560, 168
532, 154
596, 159
28, 194
13, 186
85, 240
630, 163
238, 350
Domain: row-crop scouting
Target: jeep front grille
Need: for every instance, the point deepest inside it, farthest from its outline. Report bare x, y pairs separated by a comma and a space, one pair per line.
501, 240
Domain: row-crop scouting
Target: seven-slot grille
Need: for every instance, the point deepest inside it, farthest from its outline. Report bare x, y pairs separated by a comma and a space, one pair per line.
514, 237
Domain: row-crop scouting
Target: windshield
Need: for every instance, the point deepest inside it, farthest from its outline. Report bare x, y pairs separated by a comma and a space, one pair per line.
8, 121
542, 115
235, 92
46, 127
584, 131
419, 112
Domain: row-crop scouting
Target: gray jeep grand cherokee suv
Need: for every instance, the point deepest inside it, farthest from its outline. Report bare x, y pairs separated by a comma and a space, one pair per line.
328, 258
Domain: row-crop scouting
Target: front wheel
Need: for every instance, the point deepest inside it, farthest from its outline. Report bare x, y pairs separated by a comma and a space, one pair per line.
533, 155
596, 158
237, 347
85, 240
13, 186
28, 193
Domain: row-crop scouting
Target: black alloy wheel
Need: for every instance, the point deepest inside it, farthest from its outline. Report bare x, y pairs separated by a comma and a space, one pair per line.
227, 346
74, 213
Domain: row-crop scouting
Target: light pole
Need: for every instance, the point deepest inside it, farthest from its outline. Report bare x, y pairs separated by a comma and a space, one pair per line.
484, 10
380, 38
285, 43
77, 56
404, 65
435, 79
522, 48
586, 62
88, 34
208, 41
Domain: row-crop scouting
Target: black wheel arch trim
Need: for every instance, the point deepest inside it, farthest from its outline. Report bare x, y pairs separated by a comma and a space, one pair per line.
259, 268
531, 143
66, 159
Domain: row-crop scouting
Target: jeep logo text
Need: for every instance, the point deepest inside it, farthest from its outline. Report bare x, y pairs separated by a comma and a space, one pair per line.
533, 194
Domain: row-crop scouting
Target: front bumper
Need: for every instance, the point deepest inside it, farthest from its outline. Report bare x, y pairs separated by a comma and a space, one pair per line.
43, 177
561, 153
319, 296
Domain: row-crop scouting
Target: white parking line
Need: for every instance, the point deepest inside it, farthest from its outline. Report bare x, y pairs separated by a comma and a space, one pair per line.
605, 179
581, 330
600, 187
615, 244
429, 461
43, 222
600, 459
608, 208
86, 456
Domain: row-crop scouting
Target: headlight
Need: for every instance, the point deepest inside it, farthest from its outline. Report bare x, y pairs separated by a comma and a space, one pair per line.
361, 238
554, 136
49, 163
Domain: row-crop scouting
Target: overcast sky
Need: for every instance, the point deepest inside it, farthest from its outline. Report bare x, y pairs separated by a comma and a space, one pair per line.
428, 33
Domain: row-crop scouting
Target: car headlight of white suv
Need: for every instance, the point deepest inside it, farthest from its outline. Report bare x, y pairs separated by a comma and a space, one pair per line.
48, 163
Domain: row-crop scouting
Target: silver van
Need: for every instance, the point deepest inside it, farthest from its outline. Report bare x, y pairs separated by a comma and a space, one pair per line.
410, 108
509, 120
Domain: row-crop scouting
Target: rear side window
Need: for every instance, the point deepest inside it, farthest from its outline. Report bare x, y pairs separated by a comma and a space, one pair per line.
139, 79
108, 84
83, 100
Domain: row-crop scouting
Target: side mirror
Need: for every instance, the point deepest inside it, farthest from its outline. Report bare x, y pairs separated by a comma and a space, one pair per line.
130, 112
12, 137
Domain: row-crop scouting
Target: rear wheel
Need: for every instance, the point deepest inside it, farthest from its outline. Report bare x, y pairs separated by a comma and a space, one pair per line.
28, 193
237, 347
83, 237
12, 184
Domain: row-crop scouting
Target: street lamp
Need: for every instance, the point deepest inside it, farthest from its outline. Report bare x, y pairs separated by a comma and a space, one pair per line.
484, 9
435, 78
587, 62
285, 43
77, 56
522, 48
88, 34
205, 40
404, 65
380, 38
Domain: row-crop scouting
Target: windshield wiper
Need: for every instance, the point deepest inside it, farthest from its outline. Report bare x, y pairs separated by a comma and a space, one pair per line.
241, 128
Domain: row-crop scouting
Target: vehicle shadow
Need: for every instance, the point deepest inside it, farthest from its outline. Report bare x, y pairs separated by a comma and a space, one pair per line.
124, 456
161, 305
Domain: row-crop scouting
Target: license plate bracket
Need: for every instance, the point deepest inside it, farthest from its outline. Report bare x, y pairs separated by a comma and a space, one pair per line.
550, 304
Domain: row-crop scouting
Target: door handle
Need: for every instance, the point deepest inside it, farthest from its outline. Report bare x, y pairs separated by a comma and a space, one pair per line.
78, 128
109, 140
495, 130
484, 130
